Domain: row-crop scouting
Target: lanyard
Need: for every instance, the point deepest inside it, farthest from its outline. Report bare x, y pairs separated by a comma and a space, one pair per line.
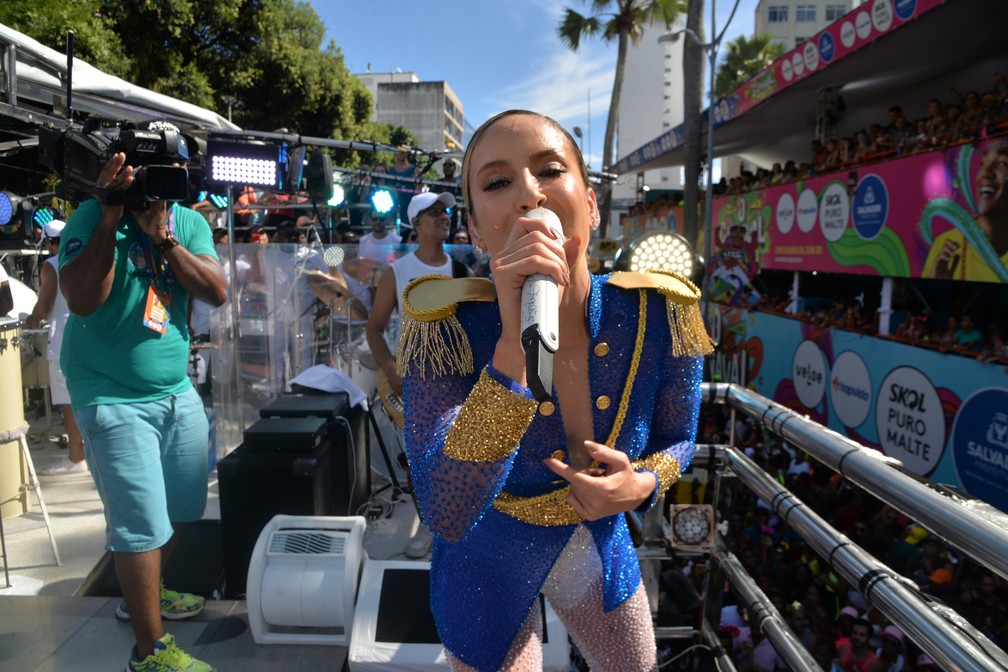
154, 272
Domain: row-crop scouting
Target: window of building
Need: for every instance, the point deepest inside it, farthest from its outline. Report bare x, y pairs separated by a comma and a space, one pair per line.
805, 13
777, 14
834, 12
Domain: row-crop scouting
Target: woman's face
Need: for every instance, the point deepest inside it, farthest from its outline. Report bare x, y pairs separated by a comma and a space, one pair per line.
523, 162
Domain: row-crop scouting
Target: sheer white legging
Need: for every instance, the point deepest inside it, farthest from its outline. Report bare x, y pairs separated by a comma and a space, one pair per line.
621, 640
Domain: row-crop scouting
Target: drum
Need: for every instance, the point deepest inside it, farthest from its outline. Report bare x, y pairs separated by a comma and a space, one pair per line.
34, 363
12, 471
363, 367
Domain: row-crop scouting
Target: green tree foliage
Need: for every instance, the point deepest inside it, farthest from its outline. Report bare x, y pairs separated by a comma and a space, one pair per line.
747, 56
48, 21
623, 22
264, 57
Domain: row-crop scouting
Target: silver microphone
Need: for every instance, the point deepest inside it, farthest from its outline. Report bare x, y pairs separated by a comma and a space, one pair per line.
540, 319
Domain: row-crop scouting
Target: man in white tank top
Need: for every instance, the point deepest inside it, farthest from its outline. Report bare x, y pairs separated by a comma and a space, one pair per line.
428, 215
52, 306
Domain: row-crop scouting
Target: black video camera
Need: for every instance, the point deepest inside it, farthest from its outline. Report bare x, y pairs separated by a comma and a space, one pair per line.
78, 156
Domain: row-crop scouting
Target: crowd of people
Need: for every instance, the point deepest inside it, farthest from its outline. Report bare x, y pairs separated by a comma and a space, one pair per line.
832, 619
968, 117
958, 333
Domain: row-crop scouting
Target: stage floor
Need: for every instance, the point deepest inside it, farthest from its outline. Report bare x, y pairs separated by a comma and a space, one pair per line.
46, 625
59, 633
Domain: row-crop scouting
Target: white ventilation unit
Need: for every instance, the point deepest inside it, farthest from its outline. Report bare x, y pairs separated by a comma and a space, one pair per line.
302, 580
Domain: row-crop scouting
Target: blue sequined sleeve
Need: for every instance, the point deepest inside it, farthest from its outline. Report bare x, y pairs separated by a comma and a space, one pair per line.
462, 434
673, 424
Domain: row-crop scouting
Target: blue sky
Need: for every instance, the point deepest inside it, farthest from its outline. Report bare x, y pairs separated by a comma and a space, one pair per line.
495, 54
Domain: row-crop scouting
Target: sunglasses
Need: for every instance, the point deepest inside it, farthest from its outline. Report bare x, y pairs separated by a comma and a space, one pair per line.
436, 211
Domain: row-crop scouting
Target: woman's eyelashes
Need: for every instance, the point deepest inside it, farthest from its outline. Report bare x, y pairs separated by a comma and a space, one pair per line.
551, 172
495, 182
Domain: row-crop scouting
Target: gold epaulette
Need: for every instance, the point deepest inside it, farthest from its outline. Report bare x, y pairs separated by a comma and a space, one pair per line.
431, 338
689, 336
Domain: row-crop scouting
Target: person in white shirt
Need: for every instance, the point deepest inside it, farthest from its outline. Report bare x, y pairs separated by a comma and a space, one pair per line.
378, 245
52, 306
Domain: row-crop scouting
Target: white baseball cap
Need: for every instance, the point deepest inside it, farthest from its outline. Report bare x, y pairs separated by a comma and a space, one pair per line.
53, 229
422, 201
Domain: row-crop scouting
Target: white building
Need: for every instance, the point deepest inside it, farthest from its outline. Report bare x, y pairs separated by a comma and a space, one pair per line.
651, 103
792, 22
430, 110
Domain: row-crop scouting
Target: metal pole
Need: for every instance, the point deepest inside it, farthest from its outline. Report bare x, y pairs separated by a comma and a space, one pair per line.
709, 196
764, 616
956, 646
235, 309
976, 529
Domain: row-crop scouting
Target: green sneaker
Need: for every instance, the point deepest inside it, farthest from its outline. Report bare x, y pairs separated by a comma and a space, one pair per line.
175, 606
167, 657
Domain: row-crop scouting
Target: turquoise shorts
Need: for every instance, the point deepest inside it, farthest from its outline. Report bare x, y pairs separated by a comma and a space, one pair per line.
149, 463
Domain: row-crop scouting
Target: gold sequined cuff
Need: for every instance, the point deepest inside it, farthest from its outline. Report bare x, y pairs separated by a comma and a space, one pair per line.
491, 423
663, 465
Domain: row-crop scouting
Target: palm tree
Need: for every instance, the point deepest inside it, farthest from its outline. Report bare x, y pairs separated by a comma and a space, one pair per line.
747, 56
623, 21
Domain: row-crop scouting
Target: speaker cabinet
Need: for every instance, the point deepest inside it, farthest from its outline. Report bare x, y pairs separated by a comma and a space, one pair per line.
254, 487
348, 432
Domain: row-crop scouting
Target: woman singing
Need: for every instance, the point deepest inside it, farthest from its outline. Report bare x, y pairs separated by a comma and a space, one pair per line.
523, 497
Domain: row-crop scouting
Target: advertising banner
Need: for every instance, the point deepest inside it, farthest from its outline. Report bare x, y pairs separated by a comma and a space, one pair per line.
856, 29
940, 214
944, 416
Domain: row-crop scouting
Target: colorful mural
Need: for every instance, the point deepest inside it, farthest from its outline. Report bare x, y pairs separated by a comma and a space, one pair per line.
940, 214
944, 416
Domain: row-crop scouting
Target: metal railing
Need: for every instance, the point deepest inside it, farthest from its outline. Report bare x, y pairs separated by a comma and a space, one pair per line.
972, 527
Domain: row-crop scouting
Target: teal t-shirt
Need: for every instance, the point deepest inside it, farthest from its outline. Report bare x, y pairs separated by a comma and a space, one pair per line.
109, 356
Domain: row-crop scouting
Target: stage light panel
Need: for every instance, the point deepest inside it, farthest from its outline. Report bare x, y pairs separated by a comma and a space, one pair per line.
245, 163
382, 201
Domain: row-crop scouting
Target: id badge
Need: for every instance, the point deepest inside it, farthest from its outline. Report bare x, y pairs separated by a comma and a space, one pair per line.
156, 312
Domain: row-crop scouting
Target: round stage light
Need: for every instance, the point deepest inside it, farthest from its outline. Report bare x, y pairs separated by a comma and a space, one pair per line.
691, 525
663, 251
6, 208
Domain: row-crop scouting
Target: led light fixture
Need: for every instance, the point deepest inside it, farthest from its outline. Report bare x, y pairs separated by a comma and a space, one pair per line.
382, 201
663, 251
295, 168
245, 163
7, 207
338, 195
319, 175
42, 217
692, 525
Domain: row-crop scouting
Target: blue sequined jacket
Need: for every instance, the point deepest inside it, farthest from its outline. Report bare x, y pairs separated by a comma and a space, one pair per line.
476, 442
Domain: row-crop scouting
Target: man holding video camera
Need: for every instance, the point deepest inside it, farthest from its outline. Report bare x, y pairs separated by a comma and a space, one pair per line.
129, 265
